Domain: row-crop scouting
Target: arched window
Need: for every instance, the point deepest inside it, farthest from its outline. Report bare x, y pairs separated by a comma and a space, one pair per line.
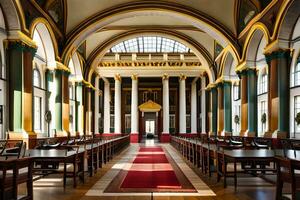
297, 73
36, 78
150, 44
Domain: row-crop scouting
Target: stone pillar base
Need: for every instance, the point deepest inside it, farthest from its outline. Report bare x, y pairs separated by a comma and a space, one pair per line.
279, 134
211, 134
134, 138
247, 134
165, 138
225, 133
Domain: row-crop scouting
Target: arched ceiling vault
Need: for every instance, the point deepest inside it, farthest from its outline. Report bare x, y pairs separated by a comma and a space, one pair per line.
200, 51
11, 13
189, 15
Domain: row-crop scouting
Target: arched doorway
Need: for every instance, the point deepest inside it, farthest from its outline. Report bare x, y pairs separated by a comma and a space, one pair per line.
149, 121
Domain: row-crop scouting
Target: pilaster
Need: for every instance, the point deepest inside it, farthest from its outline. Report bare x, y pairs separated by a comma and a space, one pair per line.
278, 97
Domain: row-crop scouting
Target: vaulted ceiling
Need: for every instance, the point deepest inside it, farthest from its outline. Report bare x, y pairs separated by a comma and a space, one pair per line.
221, 10
94, 26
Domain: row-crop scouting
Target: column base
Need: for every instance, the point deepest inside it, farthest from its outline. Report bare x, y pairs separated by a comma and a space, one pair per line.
211, 134
247, 133
165, 138
279, 134
225, 133
134, 138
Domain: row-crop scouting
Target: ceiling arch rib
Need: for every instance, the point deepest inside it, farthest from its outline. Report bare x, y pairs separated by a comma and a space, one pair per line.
191, 16
285, 23
75, 67
10, 11
203, 55
258, 33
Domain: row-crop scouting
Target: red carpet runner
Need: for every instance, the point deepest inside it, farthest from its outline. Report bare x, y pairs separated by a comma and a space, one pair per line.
151, 169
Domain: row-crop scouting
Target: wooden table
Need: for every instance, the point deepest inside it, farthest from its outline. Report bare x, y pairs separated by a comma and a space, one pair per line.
59, 156
258, 155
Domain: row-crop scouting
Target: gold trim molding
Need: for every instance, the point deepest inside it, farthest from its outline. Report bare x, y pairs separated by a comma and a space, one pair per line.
61, 66
243, 66
18, 36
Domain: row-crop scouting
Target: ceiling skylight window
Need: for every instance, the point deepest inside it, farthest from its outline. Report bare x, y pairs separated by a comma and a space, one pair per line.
150, 44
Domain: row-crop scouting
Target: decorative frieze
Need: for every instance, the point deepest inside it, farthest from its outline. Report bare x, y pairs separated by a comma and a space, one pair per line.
149, 64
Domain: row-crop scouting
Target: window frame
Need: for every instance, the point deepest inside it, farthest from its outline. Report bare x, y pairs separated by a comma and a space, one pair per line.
296, 73
38, 118
35, 72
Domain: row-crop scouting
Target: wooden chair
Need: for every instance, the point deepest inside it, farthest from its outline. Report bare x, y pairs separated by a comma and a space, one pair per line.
13, 173
23, 174
70, 168
286, 174
2, 146
6, 179
14, 149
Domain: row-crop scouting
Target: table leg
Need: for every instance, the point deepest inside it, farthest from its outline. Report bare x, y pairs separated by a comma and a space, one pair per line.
225, 174
74, 173
82, 167
65, 174
235, 176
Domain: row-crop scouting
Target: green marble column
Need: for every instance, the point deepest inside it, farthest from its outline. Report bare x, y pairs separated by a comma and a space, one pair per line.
17, 54
252, 100
58, 100
92, 107
49, 82
78, 96
279, 62
220, 118
227, 106
214, 110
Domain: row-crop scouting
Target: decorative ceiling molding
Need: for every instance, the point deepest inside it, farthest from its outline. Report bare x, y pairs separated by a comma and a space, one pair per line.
91, 25
147, 27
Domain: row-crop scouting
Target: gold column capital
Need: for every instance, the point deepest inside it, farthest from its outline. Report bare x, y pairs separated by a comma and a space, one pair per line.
134, 77
276, 45
118, 77
182, 77
19, 36
165, 77
61, 66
